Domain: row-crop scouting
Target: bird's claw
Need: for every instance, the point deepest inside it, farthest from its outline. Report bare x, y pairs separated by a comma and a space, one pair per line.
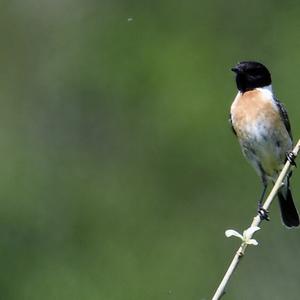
263, 214
290, 156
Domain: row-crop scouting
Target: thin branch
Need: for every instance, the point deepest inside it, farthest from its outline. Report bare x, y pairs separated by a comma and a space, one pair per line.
256, 221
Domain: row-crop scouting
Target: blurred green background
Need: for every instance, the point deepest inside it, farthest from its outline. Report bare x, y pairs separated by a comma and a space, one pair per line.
119, 172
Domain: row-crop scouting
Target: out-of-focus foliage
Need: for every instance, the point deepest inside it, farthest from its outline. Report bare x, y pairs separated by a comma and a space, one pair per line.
119, 173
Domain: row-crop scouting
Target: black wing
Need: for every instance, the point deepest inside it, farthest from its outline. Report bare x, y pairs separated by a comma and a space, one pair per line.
284, 117
230, 121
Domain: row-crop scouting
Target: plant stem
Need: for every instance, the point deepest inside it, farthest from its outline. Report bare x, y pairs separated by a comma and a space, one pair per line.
256, 221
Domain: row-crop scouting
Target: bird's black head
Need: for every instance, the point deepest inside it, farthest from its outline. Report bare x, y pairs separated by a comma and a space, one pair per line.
251, 75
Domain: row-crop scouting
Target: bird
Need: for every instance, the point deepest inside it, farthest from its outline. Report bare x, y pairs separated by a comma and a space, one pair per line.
261, 124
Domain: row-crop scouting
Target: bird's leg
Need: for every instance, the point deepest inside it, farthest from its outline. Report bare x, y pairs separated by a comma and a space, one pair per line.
290, 156
261, 211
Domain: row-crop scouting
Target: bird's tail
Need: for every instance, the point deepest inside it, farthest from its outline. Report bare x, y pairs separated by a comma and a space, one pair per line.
289, 213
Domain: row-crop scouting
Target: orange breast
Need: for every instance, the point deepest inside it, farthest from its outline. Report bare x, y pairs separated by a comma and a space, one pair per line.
253, 107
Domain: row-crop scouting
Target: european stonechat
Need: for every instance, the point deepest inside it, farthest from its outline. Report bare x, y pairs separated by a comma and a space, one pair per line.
261, 124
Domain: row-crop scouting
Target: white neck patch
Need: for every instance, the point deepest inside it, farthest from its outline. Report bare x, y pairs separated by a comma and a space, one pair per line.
267, 91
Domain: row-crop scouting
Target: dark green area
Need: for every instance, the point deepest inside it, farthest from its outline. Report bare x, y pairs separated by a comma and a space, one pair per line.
119, 173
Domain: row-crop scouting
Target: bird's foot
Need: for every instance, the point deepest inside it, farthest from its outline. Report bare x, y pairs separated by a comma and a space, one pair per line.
263, 213
290, 156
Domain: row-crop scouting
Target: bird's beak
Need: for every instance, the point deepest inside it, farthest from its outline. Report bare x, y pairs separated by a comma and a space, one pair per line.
235, 69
